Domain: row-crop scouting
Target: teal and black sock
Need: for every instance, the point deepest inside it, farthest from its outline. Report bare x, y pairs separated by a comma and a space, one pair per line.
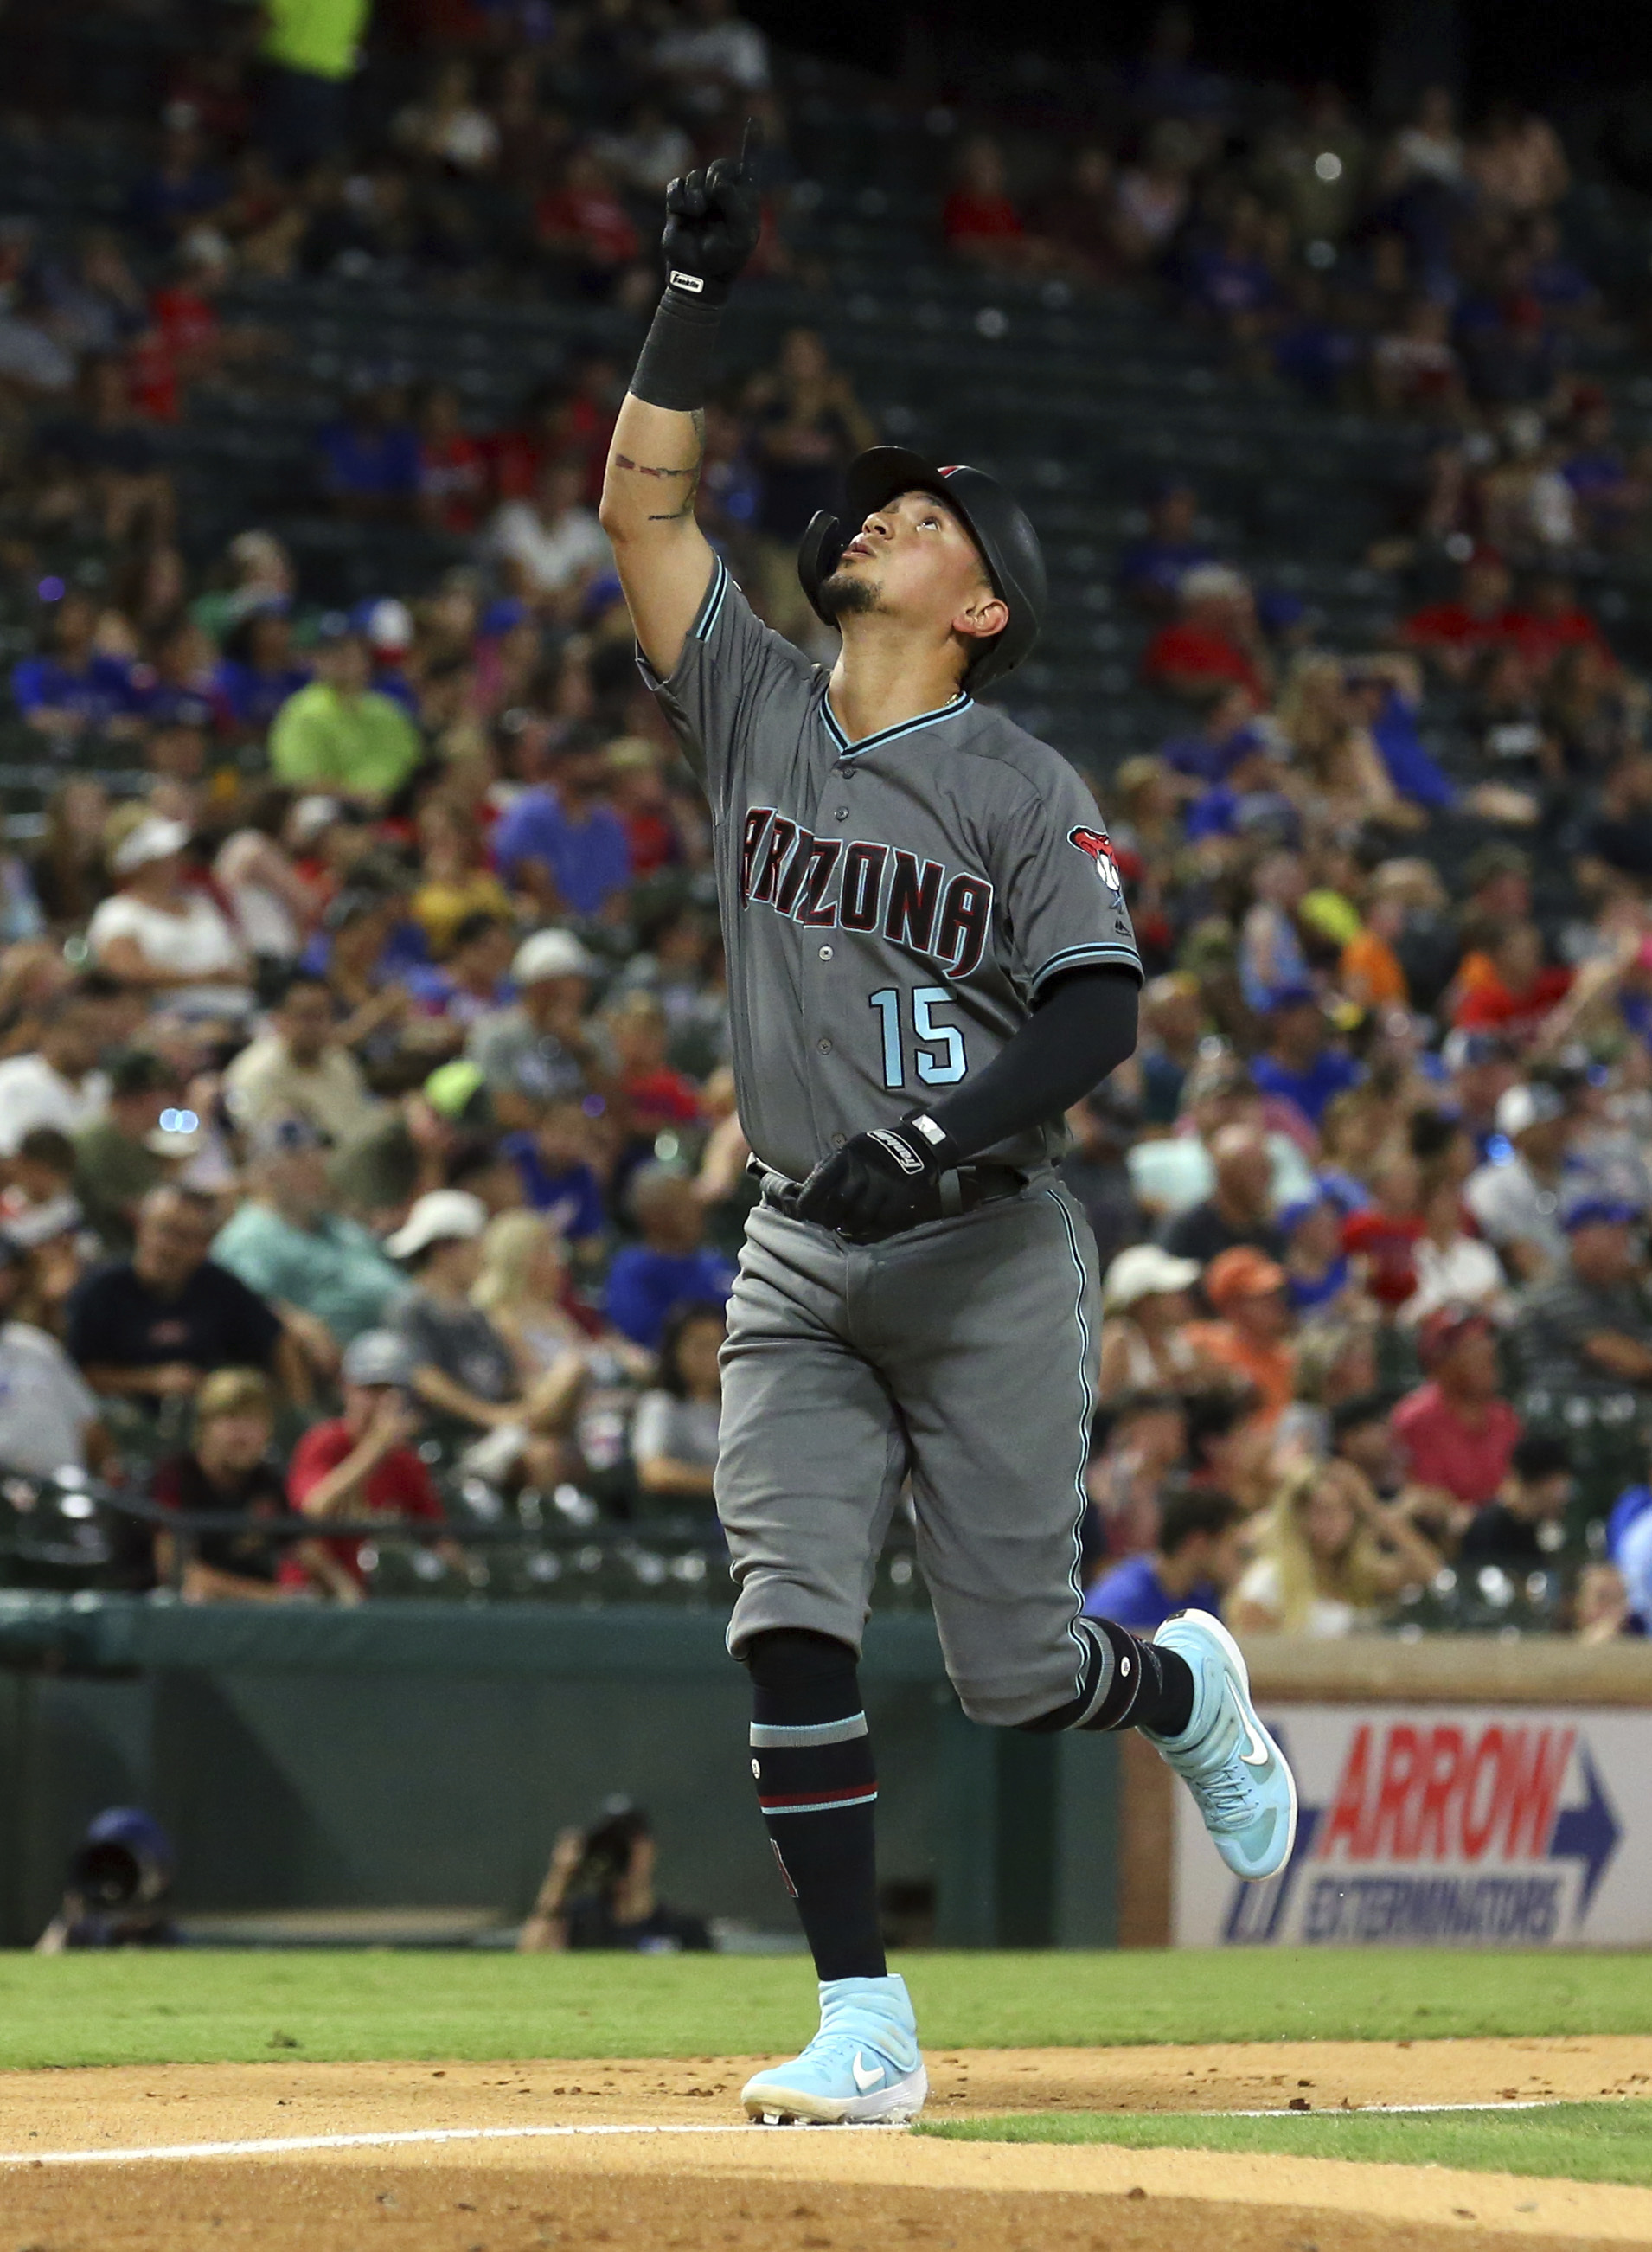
812, 1763
1128, 1684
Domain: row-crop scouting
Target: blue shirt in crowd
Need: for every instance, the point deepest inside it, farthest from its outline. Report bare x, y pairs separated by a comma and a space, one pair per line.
589, 860
1313, 1091
572, 1195
645, 1287
102, 691
1132, 1595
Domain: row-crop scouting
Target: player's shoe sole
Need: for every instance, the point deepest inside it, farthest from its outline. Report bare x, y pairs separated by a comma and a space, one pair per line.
1238, 1775
864, 2067
771, 2103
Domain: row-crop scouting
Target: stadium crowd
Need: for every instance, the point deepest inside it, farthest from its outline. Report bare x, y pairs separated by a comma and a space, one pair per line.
365, 1111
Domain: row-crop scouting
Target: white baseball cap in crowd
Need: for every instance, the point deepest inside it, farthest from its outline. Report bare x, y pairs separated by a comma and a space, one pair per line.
1521, 1107
442, 1216
549, 954
1142, 1272
378, 1357
155, 837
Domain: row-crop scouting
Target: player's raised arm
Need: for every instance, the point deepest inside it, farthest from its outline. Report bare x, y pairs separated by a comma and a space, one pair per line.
659, 440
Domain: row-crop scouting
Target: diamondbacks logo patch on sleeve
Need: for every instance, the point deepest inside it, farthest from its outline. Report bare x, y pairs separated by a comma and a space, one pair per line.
1099, 846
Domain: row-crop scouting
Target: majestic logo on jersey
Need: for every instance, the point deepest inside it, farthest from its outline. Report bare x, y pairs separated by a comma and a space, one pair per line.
825, 882
1099, 846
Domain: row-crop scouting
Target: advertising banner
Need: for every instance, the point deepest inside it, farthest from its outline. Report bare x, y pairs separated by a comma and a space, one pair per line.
1454, 1826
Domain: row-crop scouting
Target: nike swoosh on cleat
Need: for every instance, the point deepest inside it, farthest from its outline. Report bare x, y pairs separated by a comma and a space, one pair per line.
1258, 1753
863, 2080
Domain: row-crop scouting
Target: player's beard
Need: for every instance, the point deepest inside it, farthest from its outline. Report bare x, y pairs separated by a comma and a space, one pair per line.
844, 595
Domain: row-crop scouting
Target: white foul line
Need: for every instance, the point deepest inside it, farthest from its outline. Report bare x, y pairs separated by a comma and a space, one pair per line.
275, 2145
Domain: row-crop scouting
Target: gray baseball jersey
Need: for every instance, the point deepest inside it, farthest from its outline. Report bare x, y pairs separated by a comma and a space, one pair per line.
891, 907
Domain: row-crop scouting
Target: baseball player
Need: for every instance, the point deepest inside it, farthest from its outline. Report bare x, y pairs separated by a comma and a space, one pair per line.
930, 959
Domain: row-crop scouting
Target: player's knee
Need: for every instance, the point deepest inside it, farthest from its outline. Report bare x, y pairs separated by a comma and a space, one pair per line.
789, 1656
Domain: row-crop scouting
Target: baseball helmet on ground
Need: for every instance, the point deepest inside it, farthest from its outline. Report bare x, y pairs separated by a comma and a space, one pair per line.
995, 521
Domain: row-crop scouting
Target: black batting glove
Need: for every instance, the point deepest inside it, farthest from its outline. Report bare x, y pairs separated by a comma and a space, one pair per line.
870, 1187
712, 220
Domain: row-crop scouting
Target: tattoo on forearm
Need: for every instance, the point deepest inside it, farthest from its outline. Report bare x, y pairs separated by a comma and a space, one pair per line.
624, 461
690, 474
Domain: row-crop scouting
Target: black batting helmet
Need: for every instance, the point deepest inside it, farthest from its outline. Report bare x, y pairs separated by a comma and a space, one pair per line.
997, 523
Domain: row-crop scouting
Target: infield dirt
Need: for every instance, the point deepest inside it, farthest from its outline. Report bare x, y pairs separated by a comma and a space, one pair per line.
793, 2192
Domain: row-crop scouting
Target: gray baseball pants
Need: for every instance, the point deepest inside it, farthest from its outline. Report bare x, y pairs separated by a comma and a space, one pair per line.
962, 1354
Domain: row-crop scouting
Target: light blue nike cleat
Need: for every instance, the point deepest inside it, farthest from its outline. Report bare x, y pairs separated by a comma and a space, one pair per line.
1235, 1770
862, 2065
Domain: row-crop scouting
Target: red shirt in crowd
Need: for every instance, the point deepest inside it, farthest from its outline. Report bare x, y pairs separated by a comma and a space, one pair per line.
1442, 1449
594, 217
1453, 625
1191, 652
398, 1485
971, 218
661, 1097
453, 474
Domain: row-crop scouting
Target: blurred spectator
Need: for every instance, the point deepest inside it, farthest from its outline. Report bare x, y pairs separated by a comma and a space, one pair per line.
301, 1257
361, 1463
1144, 1304
671, 1265
979, 220
150, 1328
1515, 1196
1587, 1328
598, 1890
1239, 1208
1297, 1063
461, 1367
299, 1067
412, 1146
1327, 1556
367, 460
558, 1178
540, 1049
49, 1419
1154, 192
674, 1437
340, 734
164, 938
1451, 634
78, 686
1078, 218
115, 1165
1151, 570
1516, 163
552, 543
1215, 644
1198, 1556
1252, 1332
310, 52
807, 425
1521, 1530
58, 1083
225, 1473
523, 1289
1457, 1431
562, 843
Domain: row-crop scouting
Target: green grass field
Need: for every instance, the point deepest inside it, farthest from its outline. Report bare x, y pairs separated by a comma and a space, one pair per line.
207, 2007
1576, 2142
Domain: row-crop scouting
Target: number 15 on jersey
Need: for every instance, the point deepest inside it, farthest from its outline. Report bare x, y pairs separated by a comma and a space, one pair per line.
938, 1050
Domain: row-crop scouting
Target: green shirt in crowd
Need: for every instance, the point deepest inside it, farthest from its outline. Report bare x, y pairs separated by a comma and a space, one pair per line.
113, 1173
366, 746
335, 1269
323, 36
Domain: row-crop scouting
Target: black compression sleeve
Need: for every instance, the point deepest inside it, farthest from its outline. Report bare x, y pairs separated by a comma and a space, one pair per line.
1084, 1029
679, 352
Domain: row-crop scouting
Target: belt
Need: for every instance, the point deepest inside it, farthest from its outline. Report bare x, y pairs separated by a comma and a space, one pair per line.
965, 1188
